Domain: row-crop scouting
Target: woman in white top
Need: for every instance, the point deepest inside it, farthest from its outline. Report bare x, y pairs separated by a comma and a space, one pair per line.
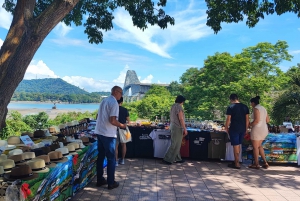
259, 131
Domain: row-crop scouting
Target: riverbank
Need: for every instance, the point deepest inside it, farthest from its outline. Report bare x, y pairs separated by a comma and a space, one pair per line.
51, 112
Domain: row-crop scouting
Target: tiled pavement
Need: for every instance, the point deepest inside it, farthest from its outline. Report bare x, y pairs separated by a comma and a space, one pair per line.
149, 179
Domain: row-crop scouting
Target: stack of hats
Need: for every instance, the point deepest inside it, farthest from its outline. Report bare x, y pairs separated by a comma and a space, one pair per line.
76, 146
57, 157
23, 172
85, 140
48, 163
7, 165
15, 140
71, 149
38, 165
4, 146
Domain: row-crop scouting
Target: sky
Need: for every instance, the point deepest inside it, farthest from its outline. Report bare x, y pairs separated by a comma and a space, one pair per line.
157, 55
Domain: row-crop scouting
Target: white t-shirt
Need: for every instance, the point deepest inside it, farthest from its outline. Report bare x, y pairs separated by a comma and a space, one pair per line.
109, 107
161, 142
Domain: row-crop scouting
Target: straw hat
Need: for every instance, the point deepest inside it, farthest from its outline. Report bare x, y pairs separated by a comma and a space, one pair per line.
46, 150
39, 134
71, 149
18, 159
23, 172
76, 146
64, 151
69, 124
38, 151
25, 148
8, 165
3, 143
3, 157
57, 157
29, 155
38, 165
15, 152
62, 126
15, 140
47, 161
85, 140
1, 173
52, 129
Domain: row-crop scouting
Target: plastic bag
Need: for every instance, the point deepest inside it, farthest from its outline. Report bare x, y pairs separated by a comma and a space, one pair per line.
125, 135
13, 192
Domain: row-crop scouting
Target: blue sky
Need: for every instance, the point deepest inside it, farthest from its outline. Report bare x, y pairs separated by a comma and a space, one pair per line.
157, 56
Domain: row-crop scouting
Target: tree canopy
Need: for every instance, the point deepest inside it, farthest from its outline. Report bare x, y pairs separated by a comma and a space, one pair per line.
253, 10
33, 20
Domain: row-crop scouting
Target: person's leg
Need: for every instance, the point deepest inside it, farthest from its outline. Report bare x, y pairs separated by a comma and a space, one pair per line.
236, 154
179, 137
117, 150
173, 149
109, 144
255, 144
123, 152
100, 161
262, 151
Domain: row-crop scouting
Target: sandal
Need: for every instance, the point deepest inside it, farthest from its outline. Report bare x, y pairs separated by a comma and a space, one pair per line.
266, 166
233, 166
253, 166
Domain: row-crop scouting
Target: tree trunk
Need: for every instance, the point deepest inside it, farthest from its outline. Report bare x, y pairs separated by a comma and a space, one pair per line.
24, 37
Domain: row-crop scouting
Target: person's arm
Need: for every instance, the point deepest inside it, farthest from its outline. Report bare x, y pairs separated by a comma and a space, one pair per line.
113, 120
267, 119
182, 122
128, 120
256, 117
247, 122
228, 119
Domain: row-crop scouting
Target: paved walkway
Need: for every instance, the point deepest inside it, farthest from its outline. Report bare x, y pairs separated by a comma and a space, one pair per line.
149, 179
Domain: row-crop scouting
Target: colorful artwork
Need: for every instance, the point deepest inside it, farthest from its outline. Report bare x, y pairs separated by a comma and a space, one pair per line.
281, 148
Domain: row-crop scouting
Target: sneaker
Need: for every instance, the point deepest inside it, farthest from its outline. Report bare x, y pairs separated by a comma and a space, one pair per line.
122, 161
115, 185
101, 183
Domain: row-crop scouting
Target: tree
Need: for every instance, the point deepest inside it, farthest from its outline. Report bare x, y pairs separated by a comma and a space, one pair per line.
253, 72
288, 103
33, 20
235, 10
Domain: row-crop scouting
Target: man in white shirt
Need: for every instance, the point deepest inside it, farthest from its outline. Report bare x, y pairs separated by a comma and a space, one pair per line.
106, 130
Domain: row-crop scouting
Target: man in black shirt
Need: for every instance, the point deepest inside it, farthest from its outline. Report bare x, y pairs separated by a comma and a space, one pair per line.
238, 119
123, 117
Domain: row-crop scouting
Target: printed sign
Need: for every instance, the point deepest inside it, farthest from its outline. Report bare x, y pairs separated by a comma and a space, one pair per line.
27, 140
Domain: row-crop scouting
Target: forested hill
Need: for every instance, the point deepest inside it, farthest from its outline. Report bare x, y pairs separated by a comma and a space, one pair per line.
56, 90
50, 86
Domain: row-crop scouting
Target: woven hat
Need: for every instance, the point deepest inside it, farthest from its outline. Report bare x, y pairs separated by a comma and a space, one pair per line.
23, 172
71, 149
15, 140
38, 151
8, 165
52, 129
76, 146
85, 140
15, 152
46, 150
64, 151
39, 134
47, 161
38, 165
3, 157
1, 173
3, 143
54, 146
25, 148
29, 156
18, 159
57, 157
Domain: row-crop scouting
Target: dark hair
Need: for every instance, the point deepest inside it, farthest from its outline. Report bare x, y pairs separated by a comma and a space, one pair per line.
233, 97
180, 99
255, 100
121, 100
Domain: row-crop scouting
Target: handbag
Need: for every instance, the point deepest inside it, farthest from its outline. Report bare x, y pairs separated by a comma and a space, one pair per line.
125, 135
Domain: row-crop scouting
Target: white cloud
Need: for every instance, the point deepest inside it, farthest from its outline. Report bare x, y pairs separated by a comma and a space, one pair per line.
89, 84
62, 29
294, 52
187, 28
1, 43
5, 17
39, 70
148, 79
122, 75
